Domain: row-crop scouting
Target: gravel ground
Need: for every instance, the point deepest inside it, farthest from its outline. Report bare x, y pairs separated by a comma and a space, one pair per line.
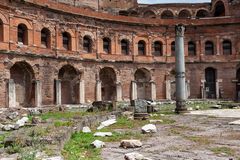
191, 137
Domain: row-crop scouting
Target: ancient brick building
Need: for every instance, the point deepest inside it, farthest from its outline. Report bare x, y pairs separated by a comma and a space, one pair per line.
78, 51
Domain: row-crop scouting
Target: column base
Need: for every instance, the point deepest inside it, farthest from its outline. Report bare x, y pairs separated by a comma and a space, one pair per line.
181, 107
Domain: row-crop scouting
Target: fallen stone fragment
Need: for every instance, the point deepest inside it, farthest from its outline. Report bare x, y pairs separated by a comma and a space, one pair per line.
8, 127
98, 144
131, 143
21, 122
216, 106
54, 158
235, 122
156, 121
149, 128
86, 129
36, 120
103, 134
13, 115
10, 157
190, 109
106, 123
135, 156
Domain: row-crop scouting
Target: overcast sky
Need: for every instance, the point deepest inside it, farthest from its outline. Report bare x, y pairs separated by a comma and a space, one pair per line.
172, 1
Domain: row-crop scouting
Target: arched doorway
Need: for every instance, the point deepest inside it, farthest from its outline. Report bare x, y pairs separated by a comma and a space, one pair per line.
69, 84
142, 78
219, 9
238, 85
108, 79
210, 85
22, 74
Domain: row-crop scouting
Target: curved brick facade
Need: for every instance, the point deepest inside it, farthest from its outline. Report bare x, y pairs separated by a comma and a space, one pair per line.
58, 53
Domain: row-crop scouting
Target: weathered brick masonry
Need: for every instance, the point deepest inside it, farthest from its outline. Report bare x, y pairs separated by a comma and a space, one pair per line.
72, 52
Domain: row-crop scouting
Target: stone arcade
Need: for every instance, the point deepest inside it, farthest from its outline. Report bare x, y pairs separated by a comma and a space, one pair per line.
74, 52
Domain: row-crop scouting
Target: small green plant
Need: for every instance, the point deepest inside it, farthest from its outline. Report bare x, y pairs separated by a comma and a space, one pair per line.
225, 150
200, 140
62, 123
26, 155
63, 115
14, 148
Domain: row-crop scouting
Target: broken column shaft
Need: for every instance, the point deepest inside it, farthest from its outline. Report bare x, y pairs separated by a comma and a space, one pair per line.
180, 70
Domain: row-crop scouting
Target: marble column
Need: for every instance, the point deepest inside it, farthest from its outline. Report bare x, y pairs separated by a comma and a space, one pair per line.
134, 90
38, 93
119, 91
168, 89
218, 88
81, 91
153, 91
180, 70
58, 92
203, 92
99, 90
11, 94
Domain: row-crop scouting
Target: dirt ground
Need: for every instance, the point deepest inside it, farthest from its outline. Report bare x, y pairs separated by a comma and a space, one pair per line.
192, 137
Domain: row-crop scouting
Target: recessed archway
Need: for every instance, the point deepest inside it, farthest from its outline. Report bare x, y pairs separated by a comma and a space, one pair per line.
69, 84
142, 77
23, 75
219, 9
108, 79
238, 85
210, 85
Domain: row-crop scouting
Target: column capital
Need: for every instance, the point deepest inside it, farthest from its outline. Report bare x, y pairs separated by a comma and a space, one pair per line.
179, 29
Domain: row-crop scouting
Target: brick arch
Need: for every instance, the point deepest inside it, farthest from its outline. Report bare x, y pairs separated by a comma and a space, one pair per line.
186, 11
108, 77
225, 4
167, 11
149, 14
69, 77
23, 75
3, 18
23, 21
203, 10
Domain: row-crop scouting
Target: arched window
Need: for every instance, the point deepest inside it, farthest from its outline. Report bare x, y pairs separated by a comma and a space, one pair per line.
22, 34
209, 48
157, 48
184, 14
123, 13
173, 48
219, 9
124, 47
227, 47
149, 14
45, 38
167, 14
1, 31
107, 45
141, 48
191, 48
87, 44
66, 37
202, 13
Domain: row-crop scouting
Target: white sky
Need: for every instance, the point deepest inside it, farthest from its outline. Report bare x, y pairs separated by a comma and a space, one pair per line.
172, 1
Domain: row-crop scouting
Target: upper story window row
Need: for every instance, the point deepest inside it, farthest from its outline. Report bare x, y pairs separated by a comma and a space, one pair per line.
219, 8
126, 47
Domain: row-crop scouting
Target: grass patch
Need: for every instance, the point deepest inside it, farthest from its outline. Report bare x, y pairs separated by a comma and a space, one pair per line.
78, 148
200, 140
63, 115
124, 123
62, 123
224, 150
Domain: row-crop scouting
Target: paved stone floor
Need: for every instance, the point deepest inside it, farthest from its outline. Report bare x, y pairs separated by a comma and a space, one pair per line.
191, 137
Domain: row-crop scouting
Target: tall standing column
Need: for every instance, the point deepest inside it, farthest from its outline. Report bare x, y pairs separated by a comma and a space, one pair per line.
11, 94
134, 90
99, 90
180, 70
38, 93
203, 92
81, 91
58, 92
